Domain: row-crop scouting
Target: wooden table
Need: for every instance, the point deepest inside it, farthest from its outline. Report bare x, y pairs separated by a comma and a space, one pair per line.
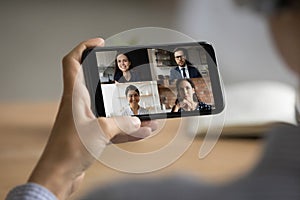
25, 127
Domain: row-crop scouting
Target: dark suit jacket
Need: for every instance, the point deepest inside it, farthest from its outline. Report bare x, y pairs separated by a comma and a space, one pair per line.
193, 72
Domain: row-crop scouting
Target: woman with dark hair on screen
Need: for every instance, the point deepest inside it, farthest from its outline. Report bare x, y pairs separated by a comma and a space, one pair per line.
187, 99
133, 96
123, 69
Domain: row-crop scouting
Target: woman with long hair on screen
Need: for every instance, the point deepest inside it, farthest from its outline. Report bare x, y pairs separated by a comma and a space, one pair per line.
187, 99
123, 69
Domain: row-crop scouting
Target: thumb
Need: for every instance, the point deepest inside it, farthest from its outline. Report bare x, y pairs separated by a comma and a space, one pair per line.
119, 125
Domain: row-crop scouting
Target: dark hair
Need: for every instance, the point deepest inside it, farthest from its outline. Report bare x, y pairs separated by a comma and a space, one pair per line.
132, 87
118, 73
195, 97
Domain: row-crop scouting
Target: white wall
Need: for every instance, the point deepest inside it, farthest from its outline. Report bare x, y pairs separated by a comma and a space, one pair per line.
241, 39
36, 34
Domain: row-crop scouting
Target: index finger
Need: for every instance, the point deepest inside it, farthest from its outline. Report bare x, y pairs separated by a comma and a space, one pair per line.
71, 62
76, 53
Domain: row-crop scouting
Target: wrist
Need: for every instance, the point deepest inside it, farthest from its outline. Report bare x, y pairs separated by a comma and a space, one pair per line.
56, 179
56, 173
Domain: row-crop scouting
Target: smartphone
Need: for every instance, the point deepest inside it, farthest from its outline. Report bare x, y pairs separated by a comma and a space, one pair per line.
153, 81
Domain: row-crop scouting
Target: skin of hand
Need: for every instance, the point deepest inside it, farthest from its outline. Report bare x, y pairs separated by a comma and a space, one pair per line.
187, 105
176, 107
64, 160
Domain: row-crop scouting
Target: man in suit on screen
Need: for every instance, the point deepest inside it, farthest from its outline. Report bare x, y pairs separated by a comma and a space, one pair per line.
184, 68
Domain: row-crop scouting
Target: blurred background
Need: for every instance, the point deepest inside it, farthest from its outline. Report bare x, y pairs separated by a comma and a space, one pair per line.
36, 34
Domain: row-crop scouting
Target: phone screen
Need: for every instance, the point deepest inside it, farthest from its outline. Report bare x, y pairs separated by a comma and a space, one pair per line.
159, 81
